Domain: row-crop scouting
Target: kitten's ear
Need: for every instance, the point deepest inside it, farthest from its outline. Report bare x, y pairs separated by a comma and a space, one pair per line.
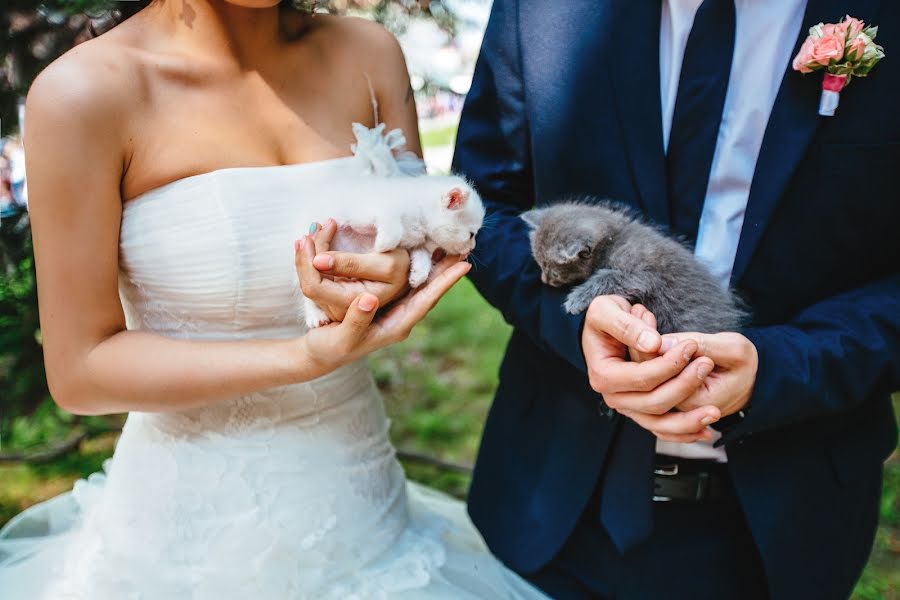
456, 198
576, 250
533, 217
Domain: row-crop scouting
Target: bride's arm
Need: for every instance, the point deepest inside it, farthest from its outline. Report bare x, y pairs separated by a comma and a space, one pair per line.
75, 162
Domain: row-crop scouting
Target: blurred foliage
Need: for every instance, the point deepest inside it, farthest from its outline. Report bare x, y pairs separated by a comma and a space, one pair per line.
33, 33
23, 384
444, 136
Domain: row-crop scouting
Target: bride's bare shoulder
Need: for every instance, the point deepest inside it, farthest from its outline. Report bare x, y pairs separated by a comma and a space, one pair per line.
97, 78
357, 32
363, 44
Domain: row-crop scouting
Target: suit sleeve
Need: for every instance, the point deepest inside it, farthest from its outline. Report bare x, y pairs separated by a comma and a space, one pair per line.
493, 151
830, 358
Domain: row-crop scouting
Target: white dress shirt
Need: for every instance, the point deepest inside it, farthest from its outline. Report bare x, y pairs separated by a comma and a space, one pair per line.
766, 33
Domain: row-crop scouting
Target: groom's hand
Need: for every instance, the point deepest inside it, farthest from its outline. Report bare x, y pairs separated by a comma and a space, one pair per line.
645, 391
727, 388
730, 385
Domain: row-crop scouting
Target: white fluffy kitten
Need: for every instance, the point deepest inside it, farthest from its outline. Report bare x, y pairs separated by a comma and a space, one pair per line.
421, 214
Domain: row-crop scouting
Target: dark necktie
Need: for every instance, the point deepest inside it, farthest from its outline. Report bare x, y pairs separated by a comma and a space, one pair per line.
698, 112
626, 509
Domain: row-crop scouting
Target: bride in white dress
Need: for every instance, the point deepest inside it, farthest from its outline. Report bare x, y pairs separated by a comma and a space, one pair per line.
255, 461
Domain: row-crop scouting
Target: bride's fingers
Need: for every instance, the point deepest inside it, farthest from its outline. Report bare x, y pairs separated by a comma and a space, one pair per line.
314, 286
355, 326
323, 235
304, 251
446, 261
442, 262
399, 320
386, 267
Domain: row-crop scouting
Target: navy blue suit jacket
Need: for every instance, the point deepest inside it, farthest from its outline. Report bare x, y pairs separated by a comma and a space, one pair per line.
566, 100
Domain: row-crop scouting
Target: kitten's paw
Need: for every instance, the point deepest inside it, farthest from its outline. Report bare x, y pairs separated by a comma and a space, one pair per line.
419, 266
418, 275
314, 316
578, 301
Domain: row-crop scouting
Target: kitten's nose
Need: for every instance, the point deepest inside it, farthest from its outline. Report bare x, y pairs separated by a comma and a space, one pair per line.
553, 279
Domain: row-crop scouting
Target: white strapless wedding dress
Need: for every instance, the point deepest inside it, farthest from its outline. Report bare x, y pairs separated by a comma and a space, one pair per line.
288, 493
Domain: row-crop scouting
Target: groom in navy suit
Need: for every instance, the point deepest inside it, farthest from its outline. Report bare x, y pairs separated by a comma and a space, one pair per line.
758, 479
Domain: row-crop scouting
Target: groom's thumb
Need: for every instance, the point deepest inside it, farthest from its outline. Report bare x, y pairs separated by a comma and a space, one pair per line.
358, 318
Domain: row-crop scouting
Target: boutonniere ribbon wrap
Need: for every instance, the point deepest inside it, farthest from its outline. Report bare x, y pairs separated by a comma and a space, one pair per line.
843, 50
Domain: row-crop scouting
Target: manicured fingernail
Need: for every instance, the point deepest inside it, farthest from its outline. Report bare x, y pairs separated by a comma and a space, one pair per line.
367, 302
689, 350
645, 341
323, 262
704, 369
313, 227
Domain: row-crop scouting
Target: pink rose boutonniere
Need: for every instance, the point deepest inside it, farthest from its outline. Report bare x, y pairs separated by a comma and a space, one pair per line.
844, 50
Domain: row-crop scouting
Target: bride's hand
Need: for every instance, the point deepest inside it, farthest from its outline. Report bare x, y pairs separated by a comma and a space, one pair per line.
382, 274
360, 333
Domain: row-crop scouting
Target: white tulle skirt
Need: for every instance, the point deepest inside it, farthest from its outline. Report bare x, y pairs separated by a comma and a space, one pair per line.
440, 557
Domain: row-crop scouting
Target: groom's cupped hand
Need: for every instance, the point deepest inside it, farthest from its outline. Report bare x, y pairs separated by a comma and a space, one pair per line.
641, 375
729, 386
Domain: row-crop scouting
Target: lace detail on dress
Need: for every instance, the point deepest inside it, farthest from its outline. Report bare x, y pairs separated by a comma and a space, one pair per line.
417, 554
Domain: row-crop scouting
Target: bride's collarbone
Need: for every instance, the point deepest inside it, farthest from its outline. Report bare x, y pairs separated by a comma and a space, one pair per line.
168, 157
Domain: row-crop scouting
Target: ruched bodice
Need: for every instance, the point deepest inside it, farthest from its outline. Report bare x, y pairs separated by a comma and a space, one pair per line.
211, 256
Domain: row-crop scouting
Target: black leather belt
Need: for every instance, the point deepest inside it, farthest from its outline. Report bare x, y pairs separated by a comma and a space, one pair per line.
685, 480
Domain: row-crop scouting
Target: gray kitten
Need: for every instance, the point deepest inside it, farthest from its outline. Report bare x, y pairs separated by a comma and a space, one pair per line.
605, 249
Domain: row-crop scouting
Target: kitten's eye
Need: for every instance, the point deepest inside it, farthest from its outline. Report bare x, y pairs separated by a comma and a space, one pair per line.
586, 253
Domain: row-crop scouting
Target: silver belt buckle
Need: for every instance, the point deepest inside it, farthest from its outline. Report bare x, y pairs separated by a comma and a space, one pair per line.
665, 471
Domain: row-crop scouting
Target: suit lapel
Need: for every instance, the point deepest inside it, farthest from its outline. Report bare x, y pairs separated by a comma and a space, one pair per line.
792, 124
637, 90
